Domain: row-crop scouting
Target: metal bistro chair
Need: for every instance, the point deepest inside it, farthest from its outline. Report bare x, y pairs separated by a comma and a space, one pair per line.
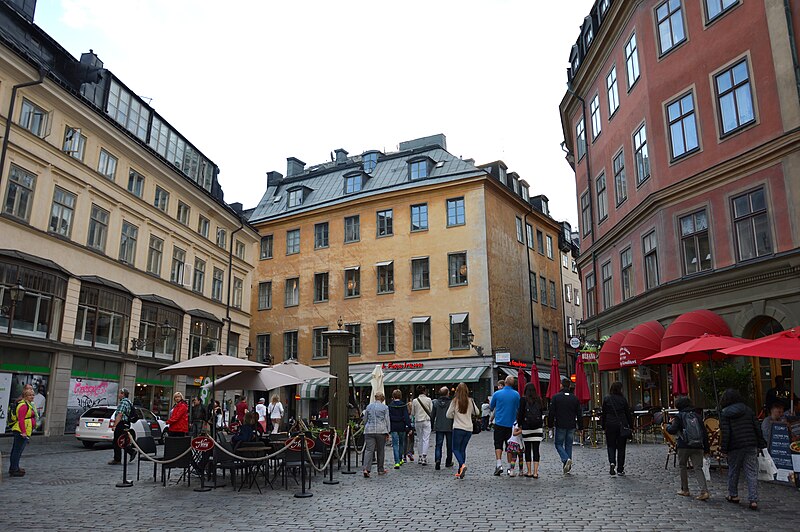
714, 439
224, 462
148, 446
672, 446
174, 447
644, 425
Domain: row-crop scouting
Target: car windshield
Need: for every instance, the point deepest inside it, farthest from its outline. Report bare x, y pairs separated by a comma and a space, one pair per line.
104, 413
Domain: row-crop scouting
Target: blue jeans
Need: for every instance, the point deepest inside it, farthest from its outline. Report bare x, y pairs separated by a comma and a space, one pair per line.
460, 441
743, 460
563, 442
441, 436
16, 451
399, 446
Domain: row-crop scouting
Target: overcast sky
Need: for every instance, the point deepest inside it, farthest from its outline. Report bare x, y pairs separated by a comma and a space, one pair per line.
267, 80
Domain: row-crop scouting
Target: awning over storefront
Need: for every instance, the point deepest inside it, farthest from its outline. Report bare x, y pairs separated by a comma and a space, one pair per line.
609, 354
310, 389
693, 325
513, 373
644, 340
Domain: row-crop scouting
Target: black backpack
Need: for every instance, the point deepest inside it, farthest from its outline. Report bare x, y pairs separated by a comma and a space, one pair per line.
133, 415
533, 416
692, 431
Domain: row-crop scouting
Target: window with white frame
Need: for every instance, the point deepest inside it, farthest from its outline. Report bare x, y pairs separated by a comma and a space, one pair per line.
549, 247
715, 8
33, 118
385, 336
321, 235
183, 213
594, 111
529, 234
384, 222
620, 184
695, 245
353, 183
590, 299
293, 241
352, 229
320, 344
19, 193
107, 164
127, 243
734, 98
178, 265
238, 293
671, 32
682, 126
222, 238
161, 199
641, 158
612, 91
62, 212
135, 183
203, 226
265, 295
295, 197
204, 336
602, 198
265, 248
457, 268
568, 293
580, 140
217, 280
586, 213
292, 293
155, 252
239, 249
418, 169
650, 249
74, 143
419, 217
626, 271
520, 237
632, 61
751, 223
198, 282
98, 228
608, 287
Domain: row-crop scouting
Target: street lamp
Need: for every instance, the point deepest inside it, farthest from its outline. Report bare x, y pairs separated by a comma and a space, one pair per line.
471, 339
248, 351
16, 295
164, 331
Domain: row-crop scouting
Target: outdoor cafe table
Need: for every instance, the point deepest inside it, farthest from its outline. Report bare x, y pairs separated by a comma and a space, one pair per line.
254, 468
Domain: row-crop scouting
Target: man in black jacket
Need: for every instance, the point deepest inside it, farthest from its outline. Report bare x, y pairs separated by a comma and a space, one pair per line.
443, 426
565, 416
197, 415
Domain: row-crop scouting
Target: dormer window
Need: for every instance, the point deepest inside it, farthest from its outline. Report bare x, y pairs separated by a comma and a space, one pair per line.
588, 35
353, 183
604, 6
369, 161
525, 193
419, 169
502, 173
295, 197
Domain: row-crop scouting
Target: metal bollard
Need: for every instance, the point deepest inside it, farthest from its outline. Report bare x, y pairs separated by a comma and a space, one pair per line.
302, 494
124, 443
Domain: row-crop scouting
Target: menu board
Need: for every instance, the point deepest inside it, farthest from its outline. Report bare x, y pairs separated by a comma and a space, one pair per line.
781, 448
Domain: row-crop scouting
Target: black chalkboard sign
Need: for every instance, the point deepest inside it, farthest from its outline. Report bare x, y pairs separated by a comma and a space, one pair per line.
779, 447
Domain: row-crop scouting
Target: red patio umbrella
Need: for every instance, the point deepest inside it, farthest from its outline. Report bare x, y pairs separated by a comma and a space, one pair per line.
608, 360
535, 379
644, 340
679, 384
581, 384
555, 380
521, 380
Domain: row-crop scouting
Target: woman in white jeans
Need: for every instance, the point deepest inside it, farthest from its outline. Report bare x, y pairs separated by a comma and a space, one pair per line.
275, 413
421, 408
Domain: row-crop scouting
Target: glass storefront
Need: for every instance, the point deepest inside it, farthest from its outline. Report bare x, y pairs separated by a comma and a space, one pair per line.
153, 391
18, 368
92, 383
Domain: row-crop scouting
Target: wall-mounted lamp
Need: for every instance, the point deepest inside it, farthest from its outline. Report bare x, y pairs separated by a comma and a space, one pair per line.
164, 331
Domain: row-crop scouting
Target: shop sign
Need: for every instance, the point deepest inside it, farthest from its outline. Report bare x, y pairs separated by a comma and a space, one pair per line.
588, 356
574, 342
202, 444
624, 361
502, 357
85, 394
402, 365
327, 436
518, 364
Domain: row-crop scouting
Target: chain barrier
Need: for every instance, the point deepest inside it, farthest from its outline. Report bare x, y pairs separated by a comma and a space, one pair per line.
330, 456
216, 444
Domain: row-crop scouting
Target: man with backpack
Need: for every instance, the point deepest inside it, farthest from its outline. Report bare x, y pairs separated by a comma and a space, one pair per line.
692, 445
123, 416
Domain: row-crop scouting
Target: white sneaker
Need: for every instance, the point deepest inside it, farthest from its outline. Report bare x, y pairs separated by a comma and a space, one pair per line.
567, 465
512, 473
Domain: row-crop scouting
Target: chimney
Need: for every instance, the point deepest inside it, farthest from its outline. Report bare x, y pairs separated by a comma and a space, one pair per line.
294, 166
341, 156
274, 179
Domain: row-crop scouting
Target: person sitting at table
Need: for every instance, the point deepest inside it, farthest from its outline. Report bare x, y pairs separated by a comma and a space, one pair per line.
247, 432
777, 414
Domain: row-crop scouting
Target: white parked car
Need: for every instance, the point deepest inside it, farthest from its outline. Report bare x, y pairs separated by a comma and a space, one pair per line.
94, 425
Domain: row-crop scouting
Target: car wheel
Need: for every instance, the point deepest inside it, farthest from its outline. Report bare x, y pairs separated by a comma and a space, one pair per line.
88, 444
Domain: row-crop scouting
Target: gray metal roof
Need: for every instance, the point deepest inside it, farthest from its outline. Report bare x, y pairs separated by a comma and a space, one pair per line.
324, 183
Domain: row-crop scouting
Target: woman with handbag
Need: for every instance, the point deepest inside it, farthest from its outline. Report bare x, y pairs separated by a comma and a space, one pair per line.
616, 420
529, 418
461, 410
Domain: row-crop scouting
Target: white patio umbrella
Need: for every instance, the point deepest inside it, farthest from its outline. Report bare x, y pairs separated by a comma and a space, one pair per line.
264, 380
301, 371
376, 382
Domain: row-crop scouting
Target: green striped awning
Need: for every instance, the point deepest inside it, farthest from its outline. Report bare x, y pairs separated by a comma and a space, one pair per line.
310, 389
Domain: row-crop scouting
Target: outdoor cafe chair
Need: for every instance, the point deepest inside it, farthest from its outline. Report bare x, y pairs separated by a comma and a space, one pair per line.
174, 446
225, 462
643, 425
292, 461
672, 446
148, 446
251, 469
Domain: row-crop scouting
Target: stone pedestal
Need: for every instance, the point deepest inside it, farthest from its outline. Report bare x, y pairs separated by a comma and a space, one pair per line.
339, 344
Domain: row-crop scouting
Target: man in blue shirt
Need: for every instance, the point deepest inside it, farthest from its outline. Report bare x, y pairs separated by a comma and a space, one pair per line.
504, 404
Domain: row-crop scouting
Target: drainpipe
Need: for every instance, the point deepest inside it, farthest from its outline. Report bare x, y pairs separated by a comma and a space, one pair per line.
530, 285
42, 74
591, 194
230, 280
790, 28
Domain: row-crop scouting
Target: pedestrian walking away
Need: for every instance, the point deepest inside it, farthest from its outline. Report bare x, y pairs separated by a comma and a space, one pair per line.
275, 411
400, 425
505, 405
616, 414
565, 416
121, 424
178, 422
529, 418
486, 412
443, 426
23, 423
693, 444
741, 441
422, 408
377, 426
261, 410
461, 410
241, 409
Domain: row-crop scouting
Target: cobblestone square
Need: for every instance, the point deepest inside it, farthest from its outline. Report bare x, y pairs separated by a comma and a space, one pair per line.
68, 487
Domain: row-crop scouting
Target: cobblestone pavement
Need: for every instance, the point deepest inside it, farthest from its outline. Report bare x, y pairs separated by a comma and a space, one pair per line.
68, 486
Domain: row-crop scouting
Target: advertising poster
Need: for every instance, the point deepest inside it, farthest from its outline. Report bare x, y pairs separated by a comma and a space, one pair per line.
39, 383
5, 399
87, 393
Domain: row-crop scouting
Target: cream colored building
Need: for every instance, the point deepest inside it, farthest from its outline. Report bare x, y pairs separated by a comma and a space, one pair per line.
117, 231
414, 250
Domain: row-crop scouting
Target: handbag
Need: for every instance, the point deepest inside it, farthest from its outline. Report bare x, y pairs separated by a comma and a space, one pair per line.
477, 426
766, 466
624, 429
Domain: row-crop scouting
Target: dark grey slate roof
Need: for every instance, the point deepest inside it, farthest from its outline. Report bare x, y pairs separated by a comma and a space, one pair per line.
153, 298
102, 281
199, 313
27, 257
325, 183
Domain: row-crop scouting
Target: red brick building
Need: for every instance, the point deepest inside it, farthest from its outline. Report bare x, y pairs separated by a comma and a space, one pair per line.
681, 122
